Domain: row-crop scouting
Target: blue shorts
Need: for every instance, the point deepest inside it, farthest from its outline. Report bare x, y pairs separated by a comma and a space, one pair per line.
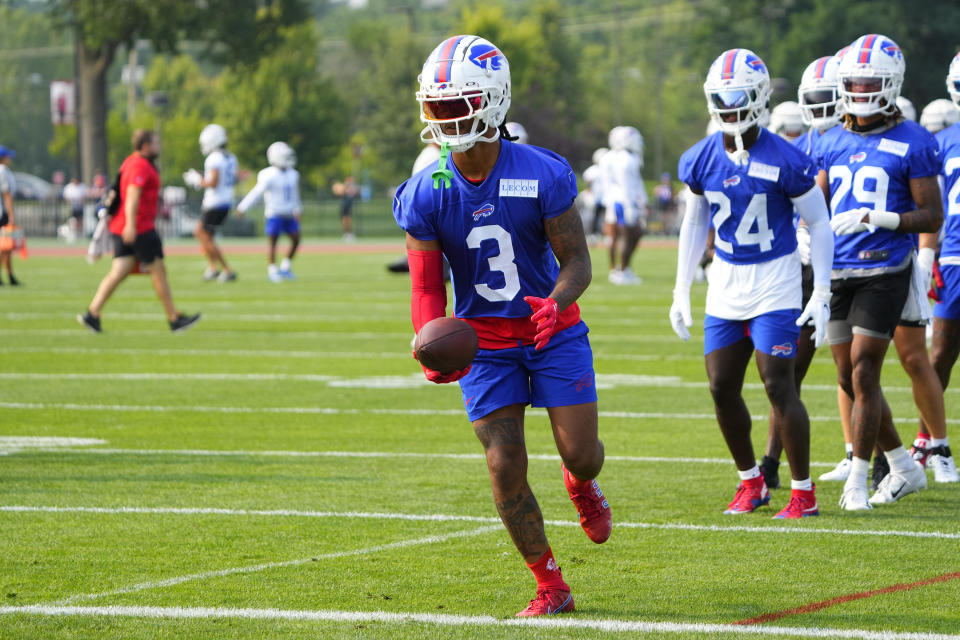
949, 306
559, 375
775, 333
276, 225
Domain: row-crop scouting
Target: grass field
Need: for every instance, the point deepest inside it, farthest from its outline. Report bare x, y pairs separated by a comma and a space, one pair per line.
283, 470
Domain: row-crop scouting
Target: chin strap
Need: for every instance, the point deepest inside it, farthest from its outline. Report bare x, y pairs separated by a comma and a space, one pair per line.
741, 156
442, 173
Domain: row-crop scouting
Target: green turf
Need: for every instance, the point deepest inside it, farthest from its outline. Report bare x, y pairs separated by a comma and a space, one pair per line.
322, 365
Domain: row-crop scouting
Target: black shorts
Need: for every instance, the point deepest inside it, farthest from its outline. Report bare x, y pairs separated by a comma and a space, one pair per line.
145, 248
77, 213
4, 219
873, 303
806, 285
210, 219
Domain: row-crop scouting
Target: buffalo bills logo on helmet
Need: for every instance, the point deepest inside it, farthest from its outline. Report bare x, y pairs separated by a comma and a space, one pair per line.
484, 54
755, 63
784, 350
483, 211
891, 49
860, 156
731, 182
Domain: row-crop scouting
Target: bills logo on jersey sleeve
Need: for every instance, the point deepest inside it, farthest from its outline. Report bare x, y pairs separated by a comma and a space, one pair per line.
860, 156
731, 181
483, 212
484, 54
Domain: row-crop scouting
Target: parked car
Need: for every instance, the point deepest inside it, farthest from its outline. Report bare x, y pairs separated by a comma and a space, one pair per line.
30, 187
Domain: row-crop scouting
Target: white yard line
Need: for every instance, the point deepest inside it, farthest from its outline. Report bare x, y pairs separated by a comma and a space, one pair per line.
169, 582
569, 623
630, 415
438, 517
212, 353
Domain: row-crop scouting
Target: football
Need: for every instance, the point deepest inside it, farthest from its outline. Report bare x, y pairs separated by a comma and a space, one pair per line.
446, 345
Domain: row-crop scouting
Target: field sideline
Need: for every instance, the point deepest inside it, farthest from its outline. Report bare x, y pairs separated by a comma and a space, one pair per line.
283, 470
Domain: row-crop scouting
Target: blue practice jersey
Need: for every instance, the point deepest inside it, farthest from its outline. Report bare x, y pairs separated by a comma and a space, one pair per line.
750, 207
808, 140
875, 171
949, 141
492, 234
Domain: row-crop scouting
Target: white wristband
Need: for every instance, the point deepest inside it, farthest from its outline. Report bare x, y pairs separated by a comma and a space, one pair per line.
885, 219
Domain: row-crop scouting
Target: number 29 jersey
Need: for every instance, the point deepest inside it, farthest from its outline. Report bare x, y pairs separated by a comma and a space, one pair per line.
949, 141
750, 207
874, 171
492, 234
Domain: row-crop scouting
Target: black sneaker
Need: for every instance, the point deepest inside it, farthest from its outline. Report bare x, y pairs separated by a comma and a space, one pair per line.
14, 281
90, 322
182, 323
769, 468
880, 470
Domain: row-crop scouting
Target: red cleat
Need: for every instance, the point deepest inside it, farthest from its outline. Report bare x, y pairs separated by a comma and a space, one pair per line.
750, 494
592, 507
547, 603
802, 504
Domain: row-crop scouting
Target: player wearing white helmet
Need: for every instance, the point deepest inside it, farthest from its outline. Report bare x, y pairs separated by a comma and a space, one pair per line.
878, 172
938, 115
217, 181
503, 215
745, 183
930, 446
905, 105
786, 120
518, 132
279, 184
624, 200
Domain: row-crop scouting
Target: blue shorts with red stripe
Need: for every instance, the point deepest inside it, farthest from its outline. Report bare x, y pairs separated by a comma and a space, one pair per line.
775, 333
949, 306
559, 375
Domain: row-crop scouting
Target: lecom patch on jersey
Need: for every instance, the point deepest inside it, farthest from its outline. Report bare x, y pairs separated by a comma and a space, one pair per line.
514, 188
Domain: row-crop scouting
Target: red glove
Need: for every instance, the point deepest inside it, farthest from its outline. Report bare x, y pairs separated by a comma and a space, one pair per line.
546, 313
934, 293
443, 378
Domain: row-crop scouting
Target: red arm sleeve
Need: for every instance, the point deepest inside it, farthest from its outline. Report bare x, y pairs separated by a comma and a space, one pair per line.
429, 299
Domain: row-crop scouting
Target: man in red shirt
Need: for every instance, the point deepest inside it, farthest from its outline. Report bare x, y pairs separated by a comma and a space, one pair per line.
135, 239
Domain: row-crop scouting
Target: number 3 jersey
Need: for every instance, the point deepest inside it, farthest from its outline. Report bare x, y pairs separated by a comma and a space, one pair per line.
874, 171
492, 235
758, 270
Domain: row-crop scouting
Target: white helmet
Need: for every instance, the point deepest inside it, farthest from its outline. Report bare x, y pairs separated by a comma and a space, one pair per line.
953, 80
516, 130
598, 154
627, 138
938, 115
281, 155
212, 137
465, 87
906, 108
786, 120
870, 75
737, 84
818, 96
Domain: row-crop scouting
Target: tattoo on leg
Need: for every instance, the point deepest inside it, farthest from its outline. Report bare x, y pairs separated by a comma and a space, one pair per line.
505, 431
522, 518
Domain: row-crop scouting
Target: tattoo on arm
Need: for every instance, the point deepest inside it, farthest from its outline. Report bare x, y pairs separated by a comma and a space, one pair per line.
569, 244
928, 215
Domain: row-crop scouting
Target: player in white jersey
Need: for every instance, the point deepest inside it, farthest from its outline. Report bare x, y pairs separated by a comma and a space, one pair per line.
279, 184
624, 200
879, 173
593, 177
745, 182
217, 181
7, 188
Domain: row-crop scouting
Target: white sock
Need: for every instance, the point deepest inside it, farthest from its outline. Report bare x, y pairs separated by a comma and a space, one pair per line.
801, 485
900, 460
285, 265
750, 474
272, 269
939, 442
858, 472
848, 447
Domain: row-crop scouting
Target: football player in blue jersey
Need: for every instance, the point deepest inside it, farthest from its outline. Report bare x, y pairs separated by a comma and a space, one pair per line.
946, 321
879, 174
817, 100
745, 182
503, 216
